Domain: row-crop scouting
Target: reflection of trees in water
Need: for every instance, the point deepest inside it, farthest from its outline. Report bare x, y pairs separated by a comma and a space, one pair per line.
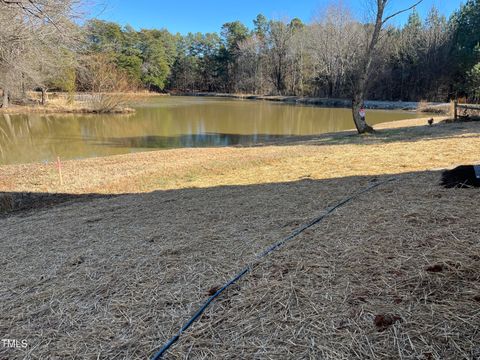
34, 137
5, 131
14, 130
15, 135
190, 140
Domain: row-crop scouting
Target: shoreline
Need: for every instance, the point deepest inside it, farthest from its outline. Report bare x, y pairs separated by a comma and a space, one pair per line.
23, 186
27, 109
440, 108
57, 103
52, 108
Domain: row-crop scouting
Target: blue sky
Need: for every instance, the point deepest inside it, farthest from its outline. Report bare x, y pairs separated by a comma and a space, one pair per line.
208, 16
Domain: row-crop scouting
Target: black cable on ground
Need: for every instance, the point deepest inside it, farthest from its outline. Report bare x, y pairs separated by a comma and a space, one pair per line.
263, 254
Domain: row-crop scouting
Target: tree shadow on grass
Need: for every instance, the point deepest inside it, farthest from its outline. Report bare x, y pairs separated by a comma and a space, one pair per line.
438, 131
20, 203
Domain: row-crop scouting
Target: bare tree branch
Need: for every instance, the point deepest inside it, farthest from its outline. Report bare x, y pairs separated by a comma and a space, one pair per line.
401, 11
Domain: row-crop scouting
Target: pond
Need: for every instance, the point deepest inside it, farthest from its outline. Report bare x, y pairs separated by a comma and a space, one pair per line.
168, 122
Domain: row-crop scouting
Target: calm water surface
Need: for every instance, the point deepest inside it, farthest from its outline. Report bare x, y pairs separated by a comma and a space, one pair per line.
168, 122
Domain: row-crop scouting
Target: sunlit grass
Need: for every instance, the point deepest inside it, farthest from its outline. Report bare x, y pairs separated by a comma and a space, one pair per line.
387, 152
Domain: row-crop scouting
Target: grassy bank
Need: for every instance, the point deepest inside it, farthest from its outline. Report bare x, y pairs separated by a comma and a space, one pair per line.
141, 239
61, 109
82, 103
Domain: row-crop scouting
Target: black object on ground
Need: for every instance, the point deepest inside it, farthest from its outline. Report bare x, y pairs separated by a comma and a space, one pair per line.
464, 176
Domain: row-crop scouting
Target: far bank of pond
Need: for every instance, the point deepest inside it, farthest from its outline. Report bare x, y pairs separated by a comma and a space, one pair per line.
163, 122
438, 108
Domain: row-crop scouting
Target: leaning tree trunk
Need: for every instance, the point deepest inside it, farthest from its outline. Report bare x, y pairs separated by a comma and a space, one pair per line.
360, 87
5, 102
357, 104
360, 123
358, 98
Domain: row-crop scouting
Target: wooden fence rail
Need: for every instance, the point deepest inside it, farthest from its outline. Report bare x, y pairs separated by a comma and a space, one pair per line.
464, 106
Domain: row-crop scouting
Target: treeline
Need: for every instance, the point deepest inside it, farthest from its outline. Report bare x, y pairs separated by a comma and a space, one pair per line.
432, 58
145, 57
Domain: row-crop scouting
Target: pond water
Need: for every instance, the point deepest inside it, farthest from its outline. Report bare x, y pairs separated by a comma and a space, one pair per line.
168, 122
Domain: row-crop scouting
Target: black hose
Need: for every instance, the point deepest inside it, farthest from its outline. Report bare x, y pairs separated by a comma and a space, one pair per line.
263, 254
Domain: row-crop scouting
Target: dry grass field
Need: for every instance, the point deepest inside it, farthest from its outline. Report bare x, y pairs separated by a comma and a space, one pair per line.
110, 264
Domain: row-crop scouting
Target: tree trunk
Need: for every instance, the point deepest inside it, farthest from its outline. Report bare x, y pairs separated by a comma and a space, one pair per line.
24, 91
44, 96
361, 86
360, 123
330, 88
5, 102
357, 103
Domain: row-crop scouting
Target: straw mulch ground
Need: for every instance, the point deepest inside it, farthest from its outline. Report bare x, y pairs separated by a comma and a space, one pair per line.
393, 274
114, 278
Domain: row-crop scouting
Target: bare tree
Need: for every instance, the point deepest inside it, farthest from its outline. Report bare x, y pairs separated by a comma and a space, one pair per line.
279, 42
333, 45
365, 63
34, 38
300, 63
250, 65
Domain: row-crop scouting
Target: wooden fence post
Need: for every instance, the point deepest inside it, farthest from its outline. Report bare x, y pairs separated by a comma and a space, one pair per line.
455, 109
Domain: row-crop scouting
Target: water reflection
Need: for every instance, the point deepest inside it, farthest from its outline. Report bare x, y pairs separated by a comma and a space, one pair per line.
192, 140
167, 122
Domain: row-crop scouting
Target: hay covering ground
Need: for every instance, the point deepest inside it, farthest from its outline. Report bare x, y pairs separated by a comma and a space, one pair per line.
391, 275
394, 276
